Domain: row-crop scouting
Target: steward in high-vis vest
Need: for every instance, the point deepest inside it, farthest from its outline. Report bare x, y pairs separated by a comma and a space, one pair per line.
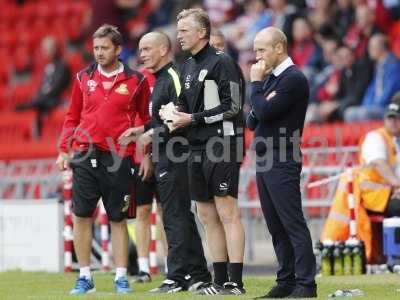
376, 182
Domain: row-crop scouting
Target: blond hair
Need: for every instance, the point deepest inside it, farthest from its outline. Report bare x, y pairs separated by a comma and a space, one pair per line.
200, 17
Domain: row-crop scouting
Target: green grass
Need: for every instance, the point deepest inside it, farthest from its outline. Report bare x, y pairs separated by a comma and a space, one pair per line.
24, 285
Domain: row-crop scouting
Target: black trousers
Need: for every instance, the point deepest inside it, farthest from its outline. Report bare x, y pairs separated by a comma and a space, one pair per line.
279, 190
185, 249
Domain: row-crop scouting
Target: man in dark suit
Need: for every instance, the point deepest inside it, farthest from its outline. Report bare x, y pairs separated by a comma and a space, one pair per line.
279, 101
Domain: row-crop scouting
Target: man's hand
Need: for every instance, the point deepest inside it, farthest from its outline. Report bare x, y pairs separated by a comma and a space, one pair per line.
130, 135
259, 70
180, 119
145, 139
146, 167
63, 161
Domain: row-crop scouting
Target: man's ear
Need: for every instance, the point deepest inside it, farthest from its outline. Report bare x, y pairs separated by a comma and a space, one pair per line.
119, 49
163, 50
279, 48
202, 33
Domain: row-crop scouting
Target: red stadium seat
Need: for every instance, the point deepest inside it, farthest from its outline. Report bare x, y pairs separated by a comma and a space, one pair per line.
28, 150
15, 127
23, 93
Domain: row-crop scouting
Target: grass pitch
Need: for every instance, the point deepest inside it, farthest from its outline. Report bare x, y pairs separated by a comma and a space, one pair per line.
24, 285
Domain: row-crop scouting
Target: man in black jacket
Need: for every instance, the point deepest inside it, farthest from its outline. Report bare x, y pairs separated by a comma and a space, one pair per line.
185, 249
279, 101
210, 107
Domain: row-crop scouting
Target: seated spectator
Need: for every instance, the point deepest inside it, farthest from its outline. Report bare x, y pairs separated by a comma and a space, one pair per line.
241, 32
283, 16
344, 88
376, 183
344, 17
385, 82
55, 81
326, 104
360, 32
304, 50
322, 12
354, 81
329, 46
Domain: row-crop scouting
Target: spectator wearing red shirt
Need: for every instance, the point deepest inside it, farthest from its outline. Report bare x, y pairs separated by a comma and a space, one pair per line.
360, 32
304, 49
106, 98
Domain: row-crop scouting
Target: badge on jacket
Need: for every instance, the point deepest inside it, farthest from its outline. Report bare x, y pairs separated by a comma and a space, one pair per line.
92, 85
270, 95
127, 199
202, 75
122, 89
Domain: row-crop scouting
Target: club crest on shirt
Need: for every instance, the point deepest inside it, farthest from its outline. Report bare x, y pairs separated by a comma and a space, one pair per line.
127, 199
122, 89
202, 75
270, 95
92, 85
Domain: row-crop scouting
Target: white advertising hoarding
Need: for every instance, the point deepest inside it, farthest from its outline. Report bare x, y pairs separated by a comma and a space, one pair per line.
31, 235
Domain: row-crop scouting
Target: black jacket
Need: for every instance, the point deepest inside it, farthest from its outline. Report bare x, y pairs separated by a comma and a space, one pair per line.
212, 116
166, 89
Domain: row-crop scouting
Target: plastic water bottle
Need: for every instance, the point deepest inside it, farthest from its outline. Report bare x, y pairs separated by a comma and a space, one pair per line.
346, 293
338, 259
318, 254
348, 260
326, 258
358, 266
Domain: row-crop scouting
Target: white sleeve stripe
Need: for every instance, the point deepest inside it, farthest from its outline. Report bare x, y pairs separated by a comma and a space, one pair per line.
214, 119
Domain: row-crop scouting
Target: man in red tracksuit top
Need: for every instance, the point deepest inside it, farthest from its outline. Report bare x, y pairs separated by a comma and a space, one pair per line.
106, 98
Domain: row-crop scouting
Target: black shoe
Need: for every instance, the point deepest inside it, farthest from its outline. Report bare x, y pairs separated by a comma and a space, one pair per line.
194, 285
168, 286
142, 277
304, 292
278, 291
210, 289
232, 288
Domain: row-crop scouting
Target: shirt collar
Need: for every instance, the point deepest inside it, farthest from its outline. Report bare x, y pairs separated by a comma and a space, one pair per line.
282, 66
163, 69
202, 53
110, 74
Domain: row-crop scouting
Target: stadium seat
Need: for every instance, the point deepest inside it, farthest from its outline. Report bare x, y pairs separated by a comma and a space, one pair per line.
15, 127
28, 150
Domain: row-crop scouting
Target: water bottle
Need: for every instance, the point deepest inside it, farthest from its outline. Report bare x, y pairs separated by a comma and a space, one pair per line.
318, 255
348, 260
346, 293
338, 259
326, 258
358, 265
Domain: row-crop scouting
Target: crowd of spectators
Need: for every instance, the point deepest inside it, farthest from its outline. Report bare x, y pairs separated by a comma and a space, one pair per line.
348, 49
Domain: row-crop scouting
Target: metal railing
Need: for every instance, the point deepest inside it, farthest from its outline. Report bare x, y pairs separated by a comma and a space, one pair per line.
41, 179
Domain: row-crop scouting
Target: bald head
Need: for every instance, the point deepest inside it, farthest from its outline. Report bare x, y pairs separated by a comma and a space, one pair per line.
270, 45
158, 38
155, 50
273, 35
